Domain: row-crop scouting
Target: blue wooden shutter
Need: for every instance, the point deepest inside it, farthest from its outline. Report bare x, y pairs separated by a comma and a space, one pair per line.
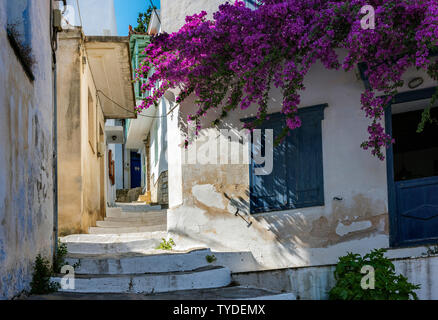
297, 178
309, 163
269, 192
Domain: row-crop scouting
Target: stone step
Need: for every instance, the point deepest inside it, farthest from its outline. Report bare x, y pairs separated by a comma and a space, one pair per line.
115, 230
113, 243
150, 217
225, 293
202, 278
132, 214
134, 263
137, 207
124, 224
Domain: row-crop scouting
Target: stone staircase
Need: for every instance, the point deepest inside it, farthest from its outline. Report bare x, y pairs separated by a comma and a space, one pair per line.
131, 218
117, 261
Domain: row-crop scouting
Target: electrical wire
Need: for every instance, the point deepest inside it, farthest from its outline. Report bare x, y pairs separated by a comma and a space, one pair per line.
139, 114
155, 10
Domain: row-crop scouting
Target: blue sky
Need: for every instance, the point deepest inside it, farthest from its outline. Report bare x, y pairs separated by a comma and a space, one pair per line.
127, 13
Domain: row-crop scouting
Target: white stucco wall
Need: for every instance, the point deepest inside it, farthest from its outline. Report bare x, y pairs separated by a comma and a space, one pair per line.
202, 195
158, 146
174, 12
26, 174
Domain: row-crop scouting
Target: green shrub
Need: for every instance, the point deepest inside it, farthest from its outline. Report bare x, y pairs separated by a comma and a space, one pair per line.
59, 260
41, 283
387, 286
43, 270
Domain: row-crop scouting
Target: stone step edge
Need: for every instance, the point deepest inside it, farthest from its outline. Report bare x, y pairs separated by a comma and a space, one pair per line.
202, 278
156, 252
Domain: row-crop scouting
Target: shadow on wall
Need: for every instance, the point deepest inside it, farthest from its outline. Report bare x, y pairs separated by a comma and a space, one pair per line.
214, 192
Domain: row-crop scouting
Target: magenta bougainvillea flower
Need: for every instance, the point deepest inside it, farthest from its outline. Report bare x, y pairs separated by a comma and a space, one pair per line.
233, 60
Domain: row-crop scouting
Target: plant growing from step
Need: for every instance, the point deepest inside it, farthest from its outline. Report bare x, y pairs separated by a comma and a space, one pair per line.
353, 269
60, 256
166, 245
41, 283
43, 270
210, 258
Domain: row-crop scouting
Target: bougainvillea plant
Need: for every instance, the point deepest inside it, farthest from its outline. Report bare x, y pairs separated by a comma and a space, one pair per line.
234, 59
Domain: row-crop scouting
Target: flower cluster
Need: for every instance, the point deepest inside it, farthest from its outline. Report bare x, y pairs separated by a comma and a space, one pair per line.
233, 60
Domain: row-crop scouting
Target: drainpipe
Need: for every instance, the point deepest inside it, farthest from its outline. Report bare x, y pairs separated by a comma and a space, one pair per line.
55, 163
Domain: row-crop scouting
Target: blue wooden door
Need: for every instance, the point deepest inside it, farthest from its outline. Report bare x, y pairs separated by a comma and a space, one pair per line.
135, 170
417, 203
412, 173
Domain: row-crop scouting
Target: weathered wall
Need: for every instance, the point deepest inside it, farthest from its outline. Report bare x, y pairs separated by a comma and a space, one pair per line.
26, 176
204, 197
210, 193
314, 283
81, 186
69, 133
93, 167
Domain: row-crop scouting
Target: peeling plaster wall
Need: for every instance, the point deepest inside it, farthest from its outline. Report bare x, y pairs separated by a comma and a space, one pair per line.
26, 174
82, 173
204, 196
69, 133
211, 193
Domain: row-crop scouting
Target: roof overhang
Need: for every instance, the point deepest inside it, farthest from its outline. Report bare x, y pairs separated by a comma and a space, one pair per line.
139, 128
110, 64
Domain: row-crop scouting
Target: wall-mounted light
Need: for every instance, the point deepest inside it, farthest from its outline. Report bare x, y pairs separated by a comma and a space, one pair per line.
415, 83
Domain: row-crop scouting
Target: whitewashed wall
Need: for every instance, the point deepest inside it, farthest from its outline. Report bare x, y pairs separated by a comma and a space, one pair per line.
201, 196
158, 146
26, 174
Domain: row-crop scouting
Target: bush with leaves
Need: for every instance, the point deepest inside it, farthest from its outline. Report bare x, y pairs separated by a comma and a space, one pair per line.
59, 261
387, 286
41, 283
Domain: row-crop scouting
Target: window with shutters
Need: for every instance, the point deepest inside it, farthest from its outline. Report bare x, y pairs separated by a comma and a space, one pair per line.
296, 180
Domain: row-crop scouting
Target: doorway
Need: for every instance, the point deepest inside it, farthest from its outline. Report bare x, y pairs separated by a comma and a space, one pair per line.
135, 170
412, 164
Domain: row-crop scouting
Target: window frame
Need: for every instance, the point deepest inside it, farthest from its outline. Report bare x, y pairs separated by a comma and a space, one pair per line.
317, 113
